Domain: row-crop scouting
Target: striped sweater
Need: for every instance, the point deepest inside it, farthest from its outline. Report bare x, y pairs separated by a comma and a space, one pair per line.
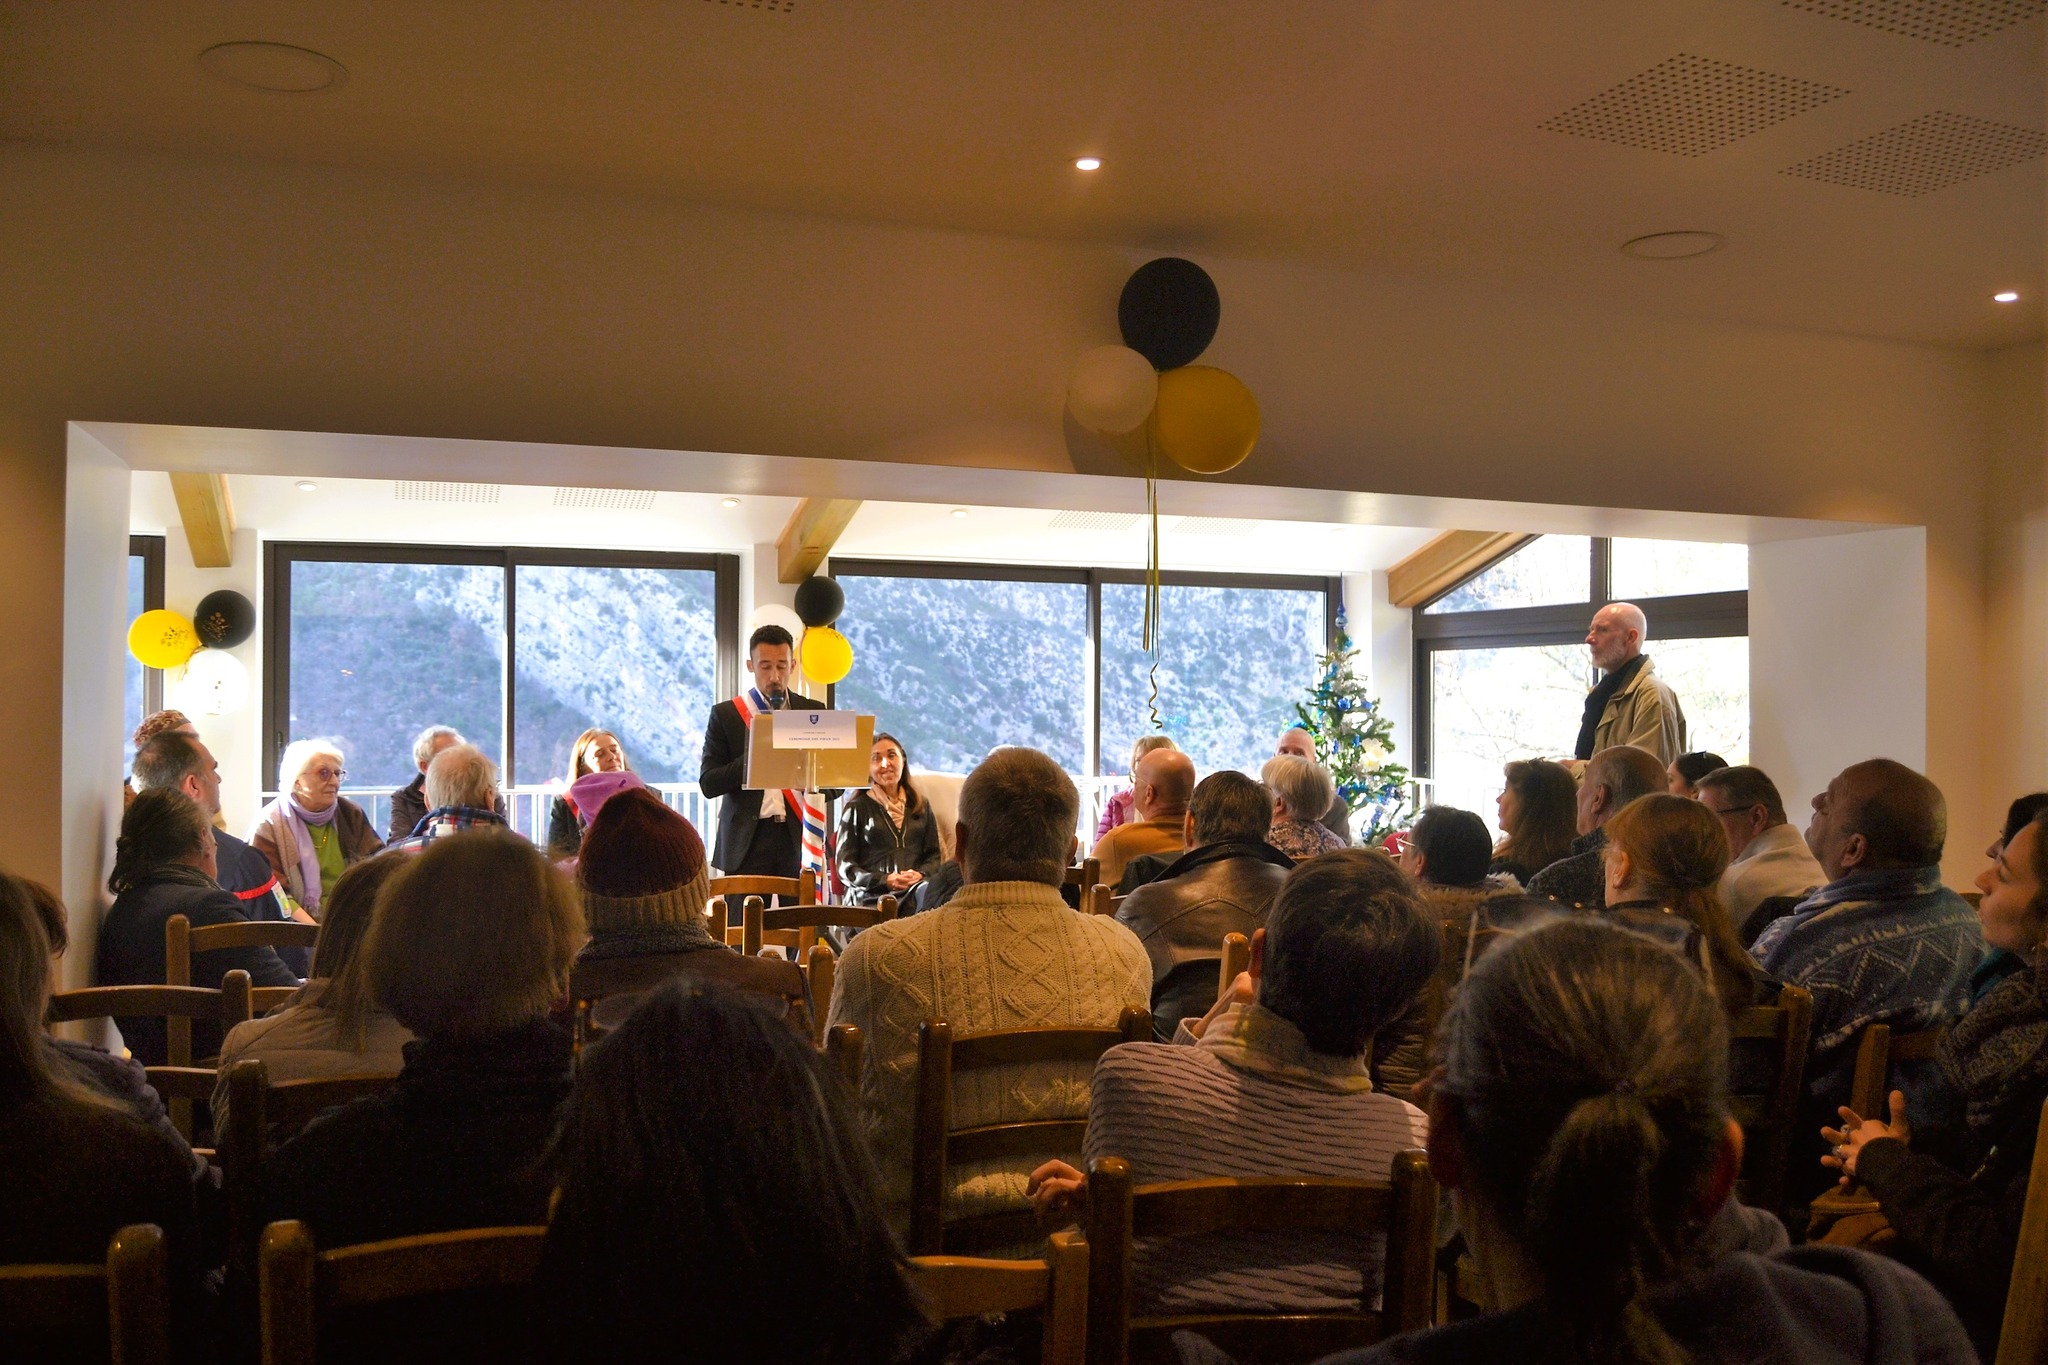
1185, 1113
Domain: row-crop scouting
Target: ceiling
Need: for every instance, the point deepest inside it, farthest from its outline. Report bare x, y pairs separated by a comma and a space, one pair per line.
1398, 137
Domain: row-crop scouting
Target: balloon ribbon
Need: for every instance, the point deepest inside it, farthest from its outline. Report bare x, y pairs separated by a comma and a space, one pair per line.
1150, 629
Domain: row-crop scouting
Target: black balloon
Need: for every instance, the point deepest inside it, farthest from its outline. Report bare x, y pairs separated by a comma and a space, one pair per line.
224, 619
1168, 311
819, 601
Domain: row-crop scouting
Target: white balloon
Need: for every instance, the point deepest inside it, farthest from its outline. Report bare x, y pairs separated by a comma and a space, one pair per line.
775, 614
1112, 390
214, 684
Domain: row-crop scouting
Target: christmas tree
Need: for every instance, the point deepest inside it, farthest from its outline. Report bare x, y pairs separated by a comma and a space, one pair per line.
1355, 741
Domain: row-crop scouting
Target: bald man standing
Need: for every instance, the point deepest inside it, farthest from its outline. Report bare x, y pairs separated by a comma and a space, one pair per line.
1162, 783
1630, 704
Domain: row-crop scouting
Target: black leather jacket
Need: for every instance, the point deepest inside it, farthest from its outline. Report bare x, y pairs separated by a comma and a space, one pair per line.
1181, 919
870, 848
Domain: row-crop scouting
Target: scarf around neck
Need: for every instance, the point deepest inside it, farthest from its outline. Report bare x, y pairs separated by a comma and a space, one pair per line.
298, 817
1997, 1054
1596, 703
1253, 1038
1877, 884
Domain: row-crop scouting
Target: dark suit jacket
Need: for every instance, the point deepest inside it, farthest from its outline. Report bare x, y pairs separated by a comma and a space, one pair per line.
724, 770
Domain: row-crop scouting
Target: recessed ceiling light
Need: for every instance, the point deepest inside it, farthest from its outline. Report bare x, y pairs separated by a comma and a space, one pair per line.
1088, 163
728, 502
273, 68
959, 512
306, 486
2006, 296
1671, 246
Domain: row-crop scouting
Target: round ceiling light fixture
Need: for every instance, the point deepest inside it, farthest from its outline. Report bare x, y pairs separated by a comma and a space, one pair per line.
1088, 163
2006, 296
307, 486
728, 503
1671, 246
273, 68
959, 513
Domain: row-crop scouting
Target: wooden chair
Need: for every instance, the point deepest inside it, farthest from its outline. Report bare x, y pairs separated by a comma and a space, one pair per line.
177, 1006
794, 928
1405, 1210
798, 890
1770, 1117
843, 1047
2024, 1338
181, 940
1097, 900
1056, 1288
301, 1290
821, 969
123, 1304
1877, 1052
1083, 874
936, 1145
264, 999
592, 982
1237, 960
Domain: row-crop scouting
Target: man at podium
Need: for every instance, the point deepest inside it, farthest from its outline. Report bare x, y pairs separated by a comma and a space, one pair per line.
760, 833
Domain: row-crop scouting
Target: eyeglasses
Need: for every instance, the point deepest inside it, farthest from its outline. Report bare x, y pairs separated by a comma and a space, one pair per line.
1730, 810
327, 774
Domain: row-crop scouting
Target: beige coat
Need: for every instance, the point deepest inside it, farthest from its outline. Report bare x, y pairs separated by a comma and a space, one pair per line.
1645, 714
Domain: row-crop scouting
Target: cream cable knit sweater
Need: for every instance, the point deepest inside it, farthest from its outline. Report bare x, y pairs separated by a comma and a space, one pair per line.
999, 955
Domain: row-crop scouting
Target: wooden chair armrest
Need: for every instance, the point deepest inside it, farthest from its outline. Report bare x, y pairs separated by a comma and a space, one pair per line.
1840, 1203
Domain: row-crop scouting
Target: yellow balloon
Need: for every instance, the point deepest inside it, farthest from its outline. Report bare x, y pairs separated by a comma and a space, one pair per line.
1206, 420
828, 655
162, 639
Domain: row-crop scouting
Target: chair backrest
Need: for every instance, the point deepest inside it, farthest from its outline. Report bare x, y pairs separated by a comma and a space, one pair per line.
1056, 1288
177, 1006
1878, 1050
1404, 1209
186, 1092
593, 981
1083, 874
181, 940
1096, 900
937, 1145
2024, 1338
796, 926
1237, 960
821, 969
843, 1046
123, 1305
301, 1290
1770, 1117
801, 889
264, 999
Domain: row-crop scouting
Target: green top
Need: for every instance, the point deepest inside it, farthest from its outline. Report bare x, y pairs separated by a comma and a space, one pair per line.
327, 851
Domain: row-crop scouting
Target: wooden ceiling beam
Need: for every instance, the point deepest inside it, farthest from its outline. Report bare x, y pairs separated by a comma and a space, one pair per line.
209, 516
1441, 563
813, 528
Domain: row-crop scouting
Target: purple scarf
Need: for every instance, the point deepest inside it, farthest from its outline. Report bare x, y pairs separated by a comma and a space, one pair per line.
298, 817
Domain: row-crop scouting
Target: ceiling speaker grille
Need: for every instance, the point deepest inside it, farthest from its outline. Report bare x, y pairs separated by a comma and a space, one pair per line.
1927, 154
1215, 526
1949, 22
606, 499
423, 490
1690, 106
1094, 521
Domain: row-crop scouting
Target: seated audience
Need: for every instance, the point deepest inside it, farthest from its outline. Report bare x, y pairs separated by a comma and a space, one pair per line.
888, 836
1004, 953
1448, 854
462, 793
1883, 942
935, 890
1957, 1211
1275, 1085
1117, 810
409, 802
1613, 778
1664, 858
163, 866
154, 724
331, 1027
1998, 964
1162, 782
1299, 786
1296, 741
1222, 885
1538, 818
176, 760
1770, 859
707, 1147
312, 833
1686, 771
595, 751
469, 948
1580, 1120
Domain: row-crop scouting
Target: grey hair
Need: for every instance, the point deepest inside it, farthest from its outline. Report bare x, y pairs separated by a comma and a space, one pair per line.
1019, 809
462, 775
1306, 786
423, 743
299, 755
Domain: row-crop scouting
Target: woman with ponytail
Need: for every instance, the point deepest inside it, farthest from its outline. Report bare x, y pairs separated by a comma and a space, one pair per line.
1580, 1119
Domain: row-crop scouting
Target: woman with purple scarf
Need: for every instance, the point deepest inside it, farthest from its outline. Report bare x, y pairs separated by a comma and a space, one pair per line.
312, 833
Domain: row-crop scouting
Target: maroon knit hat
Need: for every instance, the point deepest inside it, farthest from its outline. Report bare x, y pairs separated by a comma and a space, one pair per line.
642, 865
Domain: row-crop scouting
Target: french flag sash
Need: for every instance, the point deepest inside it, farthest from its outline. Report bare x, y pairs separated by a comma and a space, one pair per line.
806, 806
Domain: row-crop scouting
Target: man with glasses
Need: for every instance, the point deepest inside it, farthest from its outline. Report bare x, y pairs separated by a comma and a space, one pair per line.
1771, 857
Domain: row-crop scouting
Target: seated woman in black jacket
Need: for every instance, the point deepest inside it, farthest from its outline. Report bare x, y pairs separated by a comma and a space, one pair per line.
595, 751
1956, 1208
163, 866
888, 837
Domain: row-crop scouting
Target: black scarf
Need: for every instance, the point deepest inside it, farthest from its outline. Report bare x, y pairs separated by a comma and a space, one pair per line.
1596, 703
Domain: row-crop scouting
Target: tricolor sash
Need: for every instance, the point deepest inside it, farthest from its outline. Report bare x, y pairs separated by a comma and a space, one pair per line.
806, 806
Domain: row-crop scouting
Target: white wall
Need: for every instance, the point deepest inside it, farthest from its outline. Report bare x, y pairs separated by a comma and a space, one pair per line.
1385, 636
1838, 673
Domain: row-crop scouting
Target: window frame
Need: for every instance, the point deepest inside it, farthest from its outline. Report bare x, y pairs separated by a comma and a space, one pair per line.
1690, 616
150, 550
1330, 586
280, 555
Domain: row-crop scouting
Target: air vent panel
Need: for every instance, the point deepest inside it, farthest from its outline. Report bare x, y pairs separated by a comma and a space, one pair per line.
1928, 153
1094, 521
1952, 23
425, 490
1689, 106
1216, 526
606, 499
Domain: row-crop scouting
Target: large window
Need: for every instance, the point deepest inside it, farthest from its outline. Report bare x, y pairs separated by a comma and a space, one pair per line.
958, 659
1502, 669
519, 649
144, 689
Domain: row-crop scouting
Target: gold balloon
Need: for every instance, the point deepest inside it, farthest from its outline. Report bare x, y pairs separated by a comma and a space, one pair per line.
1206, 420
827, 655
162, 639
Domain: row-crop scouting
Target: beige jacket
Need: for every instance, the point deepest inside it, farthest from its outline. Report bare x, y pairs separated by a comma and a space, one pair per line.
999, 955
1645, 714
299, 1041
